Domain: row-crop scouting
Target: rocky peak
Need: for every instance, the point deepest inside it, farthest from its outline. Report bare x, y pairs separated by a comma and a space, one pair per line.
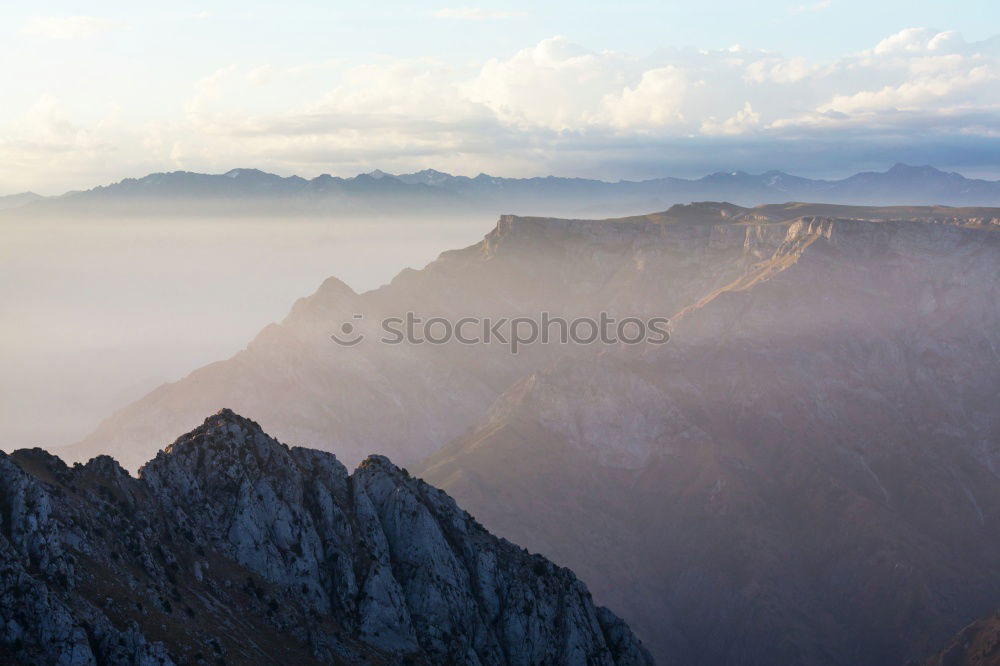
225, 430
233, 545
332, 300
225, 444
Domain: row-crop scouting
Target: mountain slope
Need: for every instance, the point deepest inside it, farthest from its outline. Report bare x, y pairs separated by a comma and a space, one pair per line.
232, 547
812, 463
410, 399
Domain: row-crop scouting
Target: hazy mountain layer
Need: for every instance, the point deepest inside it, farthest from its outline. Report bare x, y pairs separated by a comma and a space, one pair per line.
410, 399
233, 548
17, 200
251, 192
806, 473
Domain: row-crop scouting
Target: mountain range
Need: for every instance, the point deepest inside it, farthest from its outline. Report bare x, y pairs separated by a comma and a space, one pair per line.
17, 200
232, 548
254, 192
807, 473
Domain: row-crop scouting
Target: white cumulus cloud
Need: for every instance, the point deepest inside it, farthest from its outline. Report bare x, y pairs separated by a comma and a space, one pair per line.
743, 121
547, 107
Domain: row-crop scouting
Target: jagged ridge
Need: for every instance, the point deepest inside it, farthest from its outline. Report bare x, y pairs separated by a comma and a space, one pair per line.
252, 191
233, 547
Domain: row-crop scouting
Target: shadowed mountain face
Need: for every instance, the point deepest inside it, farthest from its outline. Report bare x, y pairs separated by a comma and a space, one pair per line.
806, 473
253, 192
233, 548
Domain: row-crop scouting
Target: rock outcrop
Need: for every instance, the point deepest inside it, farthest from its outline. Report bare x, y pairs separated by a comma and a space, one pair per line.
233, 548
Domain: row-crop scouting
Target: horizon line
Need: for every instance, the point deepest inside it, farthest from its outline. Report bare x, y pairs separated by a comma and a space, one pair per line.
382, 174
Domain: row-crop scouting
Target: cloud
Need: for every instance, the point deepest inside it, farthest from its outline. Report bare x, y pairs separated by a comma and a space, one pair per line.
655, 101
261, 75
555, 85
476, 14
45, 142
914, 40
557, 96
779, 70
925, 92
208, 90
554, 106
914, 80
743, 121
69, 27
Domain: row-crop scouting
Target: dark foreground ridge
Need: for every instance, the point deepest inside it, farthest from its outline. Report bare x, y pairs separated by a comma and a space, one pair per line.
233, 548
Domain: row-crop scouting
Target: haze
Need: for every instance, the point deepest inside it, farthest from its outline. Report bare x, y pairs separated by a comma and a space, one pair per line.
97, 313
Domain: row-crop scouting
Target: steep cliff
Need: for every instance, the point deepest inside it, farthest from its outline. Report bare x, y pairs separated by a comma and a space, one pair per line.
807, 473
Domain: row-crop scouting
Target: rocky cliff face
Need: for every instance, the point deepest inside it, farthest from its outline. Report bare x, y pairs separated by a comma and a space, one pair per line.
233, 548
811, 463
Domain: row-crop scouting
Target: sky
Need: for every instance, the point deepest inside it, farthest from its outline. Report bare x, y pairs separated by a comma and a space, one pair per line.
96, 92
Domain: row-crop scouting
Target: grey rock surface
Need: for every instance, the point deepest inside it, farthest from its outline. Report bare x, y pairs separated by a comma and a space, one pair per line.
233, 548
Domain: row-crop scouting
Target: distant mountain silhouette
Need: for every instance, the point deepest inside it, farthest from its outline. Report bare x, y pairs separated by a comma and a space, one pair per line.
15, 200
251, 191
